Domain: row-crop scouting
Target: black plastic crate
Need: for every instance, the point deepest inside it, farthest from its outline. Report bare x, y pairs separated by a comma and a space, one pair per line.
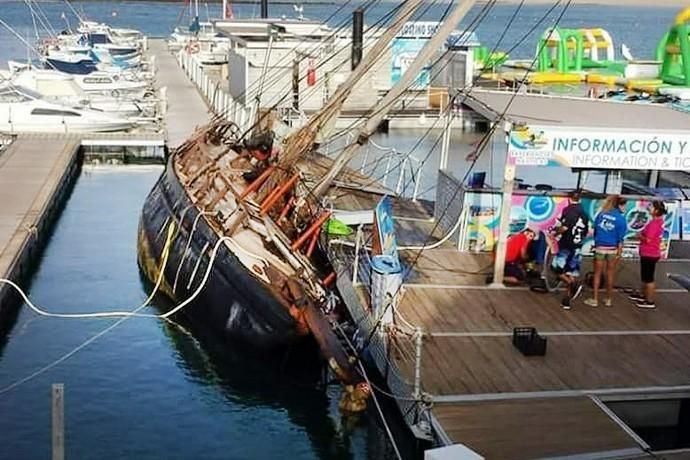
528, 341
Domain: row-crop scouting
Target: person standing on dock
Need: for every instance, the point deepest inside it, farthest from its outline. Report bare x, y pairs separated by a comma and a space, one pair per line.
610, 227
573, 226
650, 253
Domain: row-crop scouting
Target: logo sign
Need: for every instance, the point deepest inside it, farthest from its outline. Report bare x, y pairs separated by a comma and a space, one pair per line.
419, 29
599, 149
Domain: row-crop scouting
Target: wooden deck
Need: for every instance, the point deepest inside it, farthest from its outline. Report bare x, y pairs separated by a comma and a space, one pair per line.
186, 108
489, 396
547, 428
34, 175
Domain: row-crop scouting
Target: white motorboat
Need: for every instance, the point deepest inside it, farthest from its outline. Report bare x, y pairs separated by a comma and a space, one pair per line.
110, 84
117, 35
22, 110
62, 88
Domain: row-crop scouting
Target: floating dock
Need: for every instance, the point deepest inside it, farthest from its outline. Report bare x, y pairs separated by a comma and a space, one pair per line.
36, 173
483, 393
613, 382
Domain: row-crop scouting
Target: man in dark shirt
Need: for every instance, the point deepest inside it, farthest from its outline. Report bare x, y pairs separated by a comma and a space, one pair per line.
573, 226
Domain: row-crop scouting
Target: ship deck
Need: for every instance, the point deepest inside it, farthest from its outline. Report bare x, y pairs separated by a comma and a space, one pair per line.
490, 397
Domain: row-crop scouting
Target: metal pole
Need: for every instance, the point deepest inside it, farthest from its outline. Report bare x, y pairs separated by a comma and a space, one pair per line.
357, 36
418, 364
504, 227
295, 84
355, 267
445, 147
58, 405
264, 9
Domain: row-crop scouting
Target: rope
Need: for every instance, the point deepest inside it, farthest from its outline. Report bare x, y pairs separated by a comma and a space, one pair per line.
126, 314
133, 313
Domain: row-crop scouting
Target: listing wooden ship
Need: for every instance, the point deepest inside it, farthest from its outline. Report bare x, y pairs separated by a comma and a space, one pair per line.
252, 206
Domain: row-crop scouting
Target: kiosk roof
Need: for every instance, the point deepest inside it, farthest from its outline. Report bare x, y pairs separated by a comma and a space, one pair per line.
542, 109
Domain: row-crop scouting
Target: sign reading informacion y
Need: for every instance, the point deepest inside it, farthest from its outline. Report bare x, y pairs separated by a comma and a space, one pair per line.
598, 149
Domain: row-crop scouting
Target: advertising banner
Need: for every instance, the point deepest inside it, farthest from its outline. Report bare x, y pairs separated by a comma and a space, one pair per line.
598, 149
540, 213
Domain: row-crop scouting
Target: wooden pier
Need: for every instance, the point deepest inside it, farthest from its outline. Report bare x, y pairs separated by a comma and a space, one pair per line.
185, 108
483, 392
36, 173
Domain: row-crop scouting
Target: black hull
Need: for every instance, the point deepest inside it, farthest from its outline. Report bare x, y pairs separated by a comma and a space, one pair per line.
233, 302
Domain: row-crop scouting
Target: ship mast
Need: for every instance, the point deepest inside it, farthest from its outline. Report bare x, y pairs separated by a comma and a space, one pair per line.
383, 107
303, 139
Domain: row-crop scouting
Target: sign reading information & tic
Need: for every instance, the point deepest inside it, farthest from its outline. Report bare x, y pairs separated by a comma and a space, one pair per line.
598, 149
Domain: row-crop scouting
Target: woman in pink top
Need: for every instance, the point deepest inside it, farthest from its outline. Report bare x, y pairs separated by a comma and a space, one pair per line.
650, 253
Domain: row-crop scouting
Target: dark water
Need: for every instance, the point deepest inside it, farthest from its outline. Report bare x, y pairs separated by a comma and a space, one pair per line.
147, 390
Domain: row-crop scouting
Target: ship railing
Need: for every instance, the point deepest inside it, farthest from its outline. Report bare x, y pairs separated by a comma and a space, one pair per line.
393, 168
396, 346
383, 347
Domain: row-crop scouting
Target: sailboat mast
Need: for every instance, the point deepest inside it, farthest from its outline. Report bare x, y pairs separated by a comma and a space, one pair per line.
384, 106
303, 139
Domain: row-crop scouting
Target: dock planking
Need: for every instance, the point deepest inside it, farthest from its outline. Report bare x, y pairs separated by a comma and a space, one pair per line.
186, 108
35, 173
482, 385
547, 428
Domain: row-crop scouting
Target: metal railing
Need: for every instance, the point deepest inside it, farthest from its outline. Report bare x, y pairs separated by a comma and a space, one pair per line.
218, 100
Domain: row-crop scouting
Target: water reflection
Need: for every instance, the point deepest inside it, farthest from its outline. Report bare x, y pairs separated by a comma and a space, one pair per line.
164, 394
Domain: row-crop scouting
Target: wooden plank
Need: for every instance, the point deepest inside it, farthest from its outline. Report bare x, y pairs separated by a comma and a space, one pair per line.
571, 362
31, 171
532, 428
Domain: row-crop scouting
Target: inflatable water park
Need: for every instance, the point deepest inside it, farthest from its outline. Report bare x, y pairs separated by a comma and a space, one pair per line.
586, 59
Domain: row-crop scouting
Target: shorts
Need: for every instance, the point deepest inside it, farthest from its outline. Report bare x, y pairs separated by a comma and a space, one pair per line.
647, 269
567, 262
605, 252
515, 270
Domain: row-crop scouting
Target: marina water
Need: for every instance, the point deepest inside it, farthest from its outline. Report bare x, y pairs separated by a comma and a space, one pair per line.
150, 390
147, 389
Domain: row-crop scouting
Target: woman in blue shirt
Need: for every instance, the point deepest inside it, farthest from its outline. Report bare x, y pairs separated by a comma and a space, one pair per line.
610, 227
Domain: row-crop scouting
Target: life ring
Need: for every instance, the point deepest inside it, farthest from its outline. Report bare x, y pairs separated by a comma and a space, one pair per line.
193, 48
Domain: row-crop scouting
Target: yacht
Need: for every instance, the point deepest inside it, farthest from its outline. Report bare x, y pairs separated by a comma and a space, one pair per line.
22, 110
101, 82
62, 88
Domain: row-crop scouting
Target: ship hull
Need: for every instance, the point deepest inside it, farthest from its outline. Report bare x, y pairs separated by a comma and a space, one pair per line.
232, 302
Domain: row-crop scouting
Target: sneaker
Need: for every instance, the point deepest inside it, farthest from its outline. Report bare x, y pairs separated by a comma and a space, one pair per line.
592, 302
645, 304
608, 303
577, 290
636, 297
565, 303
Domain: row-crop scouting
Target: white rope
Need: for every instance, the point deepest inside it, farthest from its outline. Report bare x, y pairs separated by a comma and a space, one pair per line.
124, 315
127, 314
